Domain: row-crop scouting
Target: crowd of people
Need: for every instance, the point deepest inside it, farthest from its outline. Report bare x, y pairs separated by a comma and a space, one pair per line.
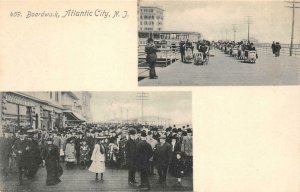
242, 46
95, 147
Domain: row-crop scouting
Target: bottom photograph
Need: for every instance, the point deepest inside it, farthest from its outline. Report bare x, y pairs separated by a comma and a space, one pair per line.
96, 141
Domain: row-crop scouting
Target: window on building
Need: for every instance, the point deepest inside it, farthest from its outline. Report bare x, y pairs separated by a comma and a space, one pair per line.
16, 116
56, 96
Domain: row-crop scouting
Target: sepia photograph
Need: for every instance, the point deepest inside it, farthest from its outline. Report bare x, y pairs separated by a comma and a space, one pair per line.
218, 43
96, 141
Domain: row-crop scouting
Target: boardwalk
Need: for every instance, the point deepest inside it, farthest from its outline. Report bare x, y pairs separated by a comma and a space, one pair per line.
83, 180
225, 70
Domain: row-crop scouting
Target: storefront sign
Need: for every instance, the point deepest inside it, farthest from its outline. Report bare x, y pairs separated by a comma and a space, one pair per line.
18, 100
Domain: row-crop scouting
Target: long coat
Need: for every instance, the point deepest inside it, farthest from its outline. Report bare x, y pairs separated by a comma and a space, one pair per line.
178, 168
35, 158
131, 152
51, 156
98, 158
144, 153
187, 146
21, 149
163, 154
151, 50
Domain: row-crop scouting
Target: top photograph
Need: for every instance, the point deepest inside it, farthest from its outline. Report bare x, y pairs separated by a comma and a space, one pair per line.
218, 43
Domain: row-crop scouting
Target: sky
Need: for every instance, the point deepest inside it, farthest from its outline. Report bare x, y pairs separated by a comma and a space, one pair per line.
176, 106
271, 20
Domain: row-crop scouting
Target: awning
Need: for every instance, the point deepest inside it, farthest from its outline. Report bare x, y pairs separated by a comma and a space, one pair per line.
73, 116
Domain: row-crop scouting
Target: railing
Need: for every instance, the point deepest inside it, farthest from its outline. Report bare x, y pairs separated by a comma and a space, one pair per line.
285, 48
165, 57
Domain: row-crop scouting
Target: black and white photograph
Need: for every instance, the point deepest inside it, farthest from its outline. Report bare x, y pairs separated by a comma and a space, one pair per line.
218, 43
96, 141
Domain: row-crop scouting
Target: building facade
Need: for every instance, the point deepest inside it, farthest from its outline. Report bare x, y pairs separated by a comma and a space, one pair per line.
150, 18
42, 110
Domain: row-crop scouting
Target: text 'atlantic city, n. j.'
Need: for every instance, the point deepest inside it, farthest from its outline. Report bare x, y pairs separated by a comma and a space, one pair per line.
72, 13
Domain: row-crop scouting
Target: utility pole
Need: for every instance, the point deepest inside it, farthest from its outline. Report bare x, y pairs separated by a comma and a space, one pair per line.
234, 31
249, 22
142, 97
293, 23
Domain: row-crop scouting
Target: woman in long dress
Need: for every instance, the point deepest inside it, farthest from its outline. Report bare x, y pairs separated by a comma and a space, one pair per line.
50, 157
98, 158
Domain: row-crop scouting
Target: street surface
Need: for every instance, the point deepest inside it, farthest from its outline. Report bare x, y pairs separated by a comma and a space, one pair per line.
225, 70
83, 180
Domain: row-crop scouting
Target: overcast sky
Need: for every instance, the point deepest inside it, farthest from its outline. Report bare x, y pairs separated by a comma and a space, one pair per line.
271, 20
176, 106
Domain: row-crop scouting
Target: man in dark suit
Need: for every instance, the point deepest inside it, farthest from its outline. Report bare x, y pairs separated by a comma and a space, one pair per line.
21, 149
176, 148
131, 156
168, 135
144, 153
162, 158
155, 134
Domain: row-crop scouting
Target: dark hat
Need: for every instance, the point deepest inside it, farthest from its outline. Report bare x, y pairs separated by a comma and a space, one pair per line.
174, 130
179, 130
132, 132
168, 129
184, 133
143, 134
188, 130
149, 133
